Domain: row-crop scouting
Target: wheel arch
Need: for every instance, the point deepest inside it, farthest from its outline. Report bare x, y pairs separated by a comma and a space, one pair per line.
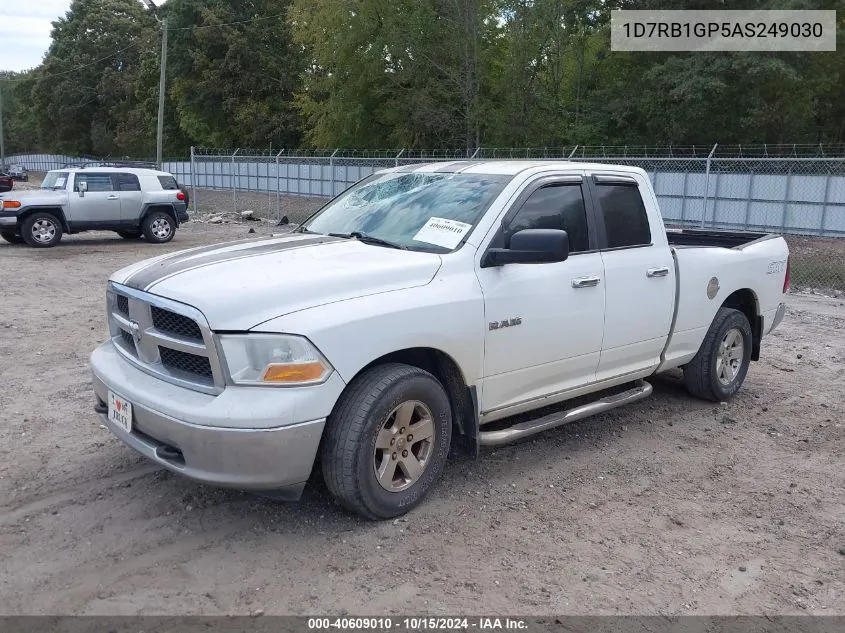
152, 208
57, 211
745, 300
462, 397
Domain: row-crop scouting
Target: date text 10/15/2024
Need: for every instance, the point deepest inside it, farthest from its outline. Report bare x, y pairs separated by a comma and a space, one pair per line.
418, 624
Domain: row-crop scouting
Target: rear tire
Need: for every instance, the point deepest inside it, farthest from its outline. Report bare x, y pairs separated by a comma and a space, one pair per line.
387, 440
41, 230
130, 235
158, 227
12, 237
719, 368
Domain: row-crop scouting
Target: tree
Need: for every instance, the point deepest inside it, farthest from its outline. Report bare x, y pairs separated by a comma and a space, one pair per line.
233, 84
84, 88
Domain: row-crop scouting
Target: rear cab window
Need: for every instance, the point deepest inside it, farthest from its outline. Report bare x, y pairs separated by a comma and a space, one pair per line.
621, 211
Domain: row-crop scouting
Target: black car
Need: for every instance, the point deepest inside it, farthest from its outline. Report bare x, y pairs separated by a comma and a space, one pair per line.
6, 182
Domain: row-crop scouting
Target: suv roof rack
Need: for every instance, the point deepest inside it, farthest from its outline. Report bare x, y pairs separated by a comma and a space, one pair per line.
113, 163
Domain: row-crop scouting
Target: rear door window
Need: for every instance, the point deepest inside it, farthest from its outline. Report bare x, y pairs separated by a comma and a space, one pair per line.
128, 182
621, 208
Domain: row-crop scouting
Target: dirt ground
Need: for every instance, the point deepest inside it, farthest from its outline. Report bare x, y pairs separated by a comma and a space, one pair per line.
670, 506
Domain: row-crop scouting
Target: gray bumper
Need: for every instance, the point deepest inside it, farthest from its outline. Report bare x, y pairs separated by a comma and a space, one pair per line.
181, 212
8, 218
274, 459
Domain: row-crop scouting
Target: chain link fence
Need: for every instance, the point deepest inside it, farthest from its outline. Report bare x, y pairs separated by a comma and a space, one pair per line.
795, 190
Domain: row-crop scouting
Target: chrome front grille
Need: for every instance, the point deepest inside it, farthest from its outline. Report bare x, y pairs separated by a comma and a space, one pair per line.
176, 324
165, 338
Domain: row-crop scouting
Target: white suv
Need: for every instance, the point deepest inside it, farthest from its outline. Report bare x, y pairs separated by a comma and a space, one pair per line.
133, 202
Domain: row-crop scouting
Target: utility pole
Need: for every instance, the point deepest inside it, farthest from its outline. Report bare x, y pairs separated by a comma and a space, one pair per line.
160, 125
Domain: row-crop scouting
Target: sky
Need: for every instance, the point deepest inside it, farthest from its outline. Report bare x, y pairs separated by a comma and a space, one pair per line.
25, 31
25, 27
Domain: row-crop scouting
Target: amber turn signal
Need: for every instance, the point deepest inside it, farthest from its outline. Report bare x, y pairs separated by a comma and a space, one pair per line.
11, 204
298, 372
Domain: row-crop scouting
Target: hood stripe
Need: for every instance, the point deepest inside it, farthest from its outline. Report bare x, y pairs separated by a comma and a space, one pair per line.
158, 271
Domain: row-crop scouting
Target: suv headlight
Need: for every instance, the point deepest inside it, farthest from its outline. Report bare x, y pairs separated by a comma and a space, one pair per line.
273, 359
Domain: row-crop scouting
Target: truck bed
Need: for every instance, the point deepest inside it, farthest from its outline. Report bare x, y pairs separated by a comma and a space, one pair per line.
703, 237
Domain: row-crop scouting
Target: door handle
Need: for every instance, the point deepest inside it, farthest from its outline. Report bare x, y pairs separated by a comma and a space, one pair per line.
585, 282
657, 272
112, 197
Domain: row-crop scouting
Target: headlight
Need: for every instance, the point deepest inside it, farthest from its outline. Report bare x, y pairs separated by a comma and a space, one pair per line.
273, 359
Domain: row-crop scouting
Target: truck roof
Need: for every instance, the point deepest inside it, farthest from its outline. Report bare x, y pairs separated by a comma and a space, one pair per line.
505, 167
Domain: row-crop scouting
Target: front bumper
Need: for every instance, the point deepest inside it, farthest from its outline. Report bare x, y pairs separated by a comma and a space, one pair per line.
8, 218
180, 430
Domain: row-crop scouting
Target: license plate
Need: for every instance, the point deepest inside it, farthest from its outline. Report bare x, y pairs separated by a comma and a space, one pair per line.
120, 412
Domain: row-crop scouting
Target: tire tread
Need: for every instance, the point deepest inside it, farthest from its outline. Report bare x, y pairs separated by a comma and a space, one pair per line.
346, 429
698, 372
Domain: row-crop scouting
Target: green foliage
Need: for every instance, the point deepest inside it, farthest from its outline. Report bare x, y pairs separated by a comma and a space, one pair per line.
406, 73
234, 85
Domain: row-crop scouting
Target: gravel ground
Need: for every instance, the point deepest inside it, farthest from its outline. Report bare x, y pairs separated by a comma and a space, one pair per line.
670, 506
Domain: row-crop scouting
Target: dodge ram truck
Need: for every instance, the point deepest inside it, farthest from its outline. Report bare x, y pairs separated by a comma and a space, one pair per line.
428, 307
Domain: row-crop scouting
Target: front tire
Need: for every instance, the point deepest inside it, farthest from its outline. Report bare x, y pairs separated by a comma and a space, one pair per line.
387, 441
158, 227
11, 237
41, 230
719, 368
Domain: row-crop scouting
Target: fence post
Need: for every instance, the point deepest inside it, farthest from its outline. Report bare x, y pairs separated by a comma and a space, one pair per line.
331, 171
193, 180
707, 183
826, 200
475, 153
572, 153
278, 194
684, 199
398, 156
748, 202
232, 180
786, 198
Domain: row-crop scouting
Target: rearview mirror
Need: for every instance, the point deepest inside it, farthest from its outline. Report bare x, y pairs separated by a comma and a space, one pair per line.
530, 246
82, 187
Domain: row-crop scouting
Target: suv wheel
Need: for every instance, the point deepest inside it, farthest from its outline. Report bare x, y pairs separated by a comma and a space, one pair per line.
41, 230
11, 237
158, 227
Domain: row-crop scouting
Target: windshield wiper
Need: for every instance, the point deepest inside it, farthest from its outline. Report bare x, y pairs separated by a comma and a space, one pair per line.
369, 239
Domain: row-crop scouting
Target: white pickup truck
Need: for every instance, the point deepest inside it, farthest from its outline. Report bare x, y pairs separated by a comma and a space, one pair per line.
427, 306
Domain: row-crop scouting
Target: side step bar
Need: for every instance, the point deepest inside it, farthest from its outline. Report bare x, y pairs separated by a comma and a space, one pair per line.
559, 418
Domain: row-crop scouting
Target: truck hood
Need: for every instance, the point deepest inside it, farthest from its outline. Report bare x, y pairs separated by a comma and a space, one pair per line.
239, 285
